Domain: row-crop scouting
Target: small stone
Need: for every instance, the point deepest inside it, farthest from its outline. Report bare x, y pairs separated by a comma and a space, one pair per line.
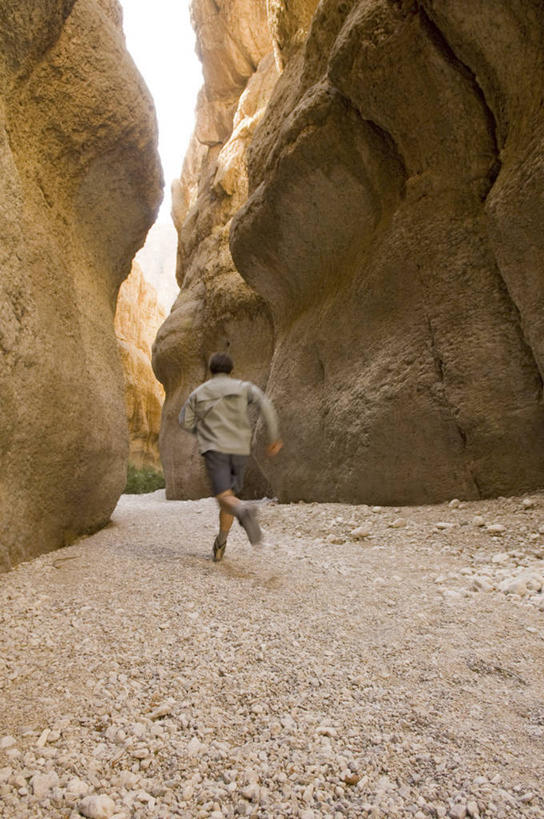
517, 586
195, 747
398, 523
455, 503
326, 731
360, 532
251, 792
308, 793
128, 779
527, 797
496, 529
527, 503
443, 525
533, 582
76, 787
140, 753
97, 807
478, 520
502, 557
161, 710
458, 812
377, 508
43, 738
451, 596
473, 810
5, 774
7, 742
481, 584
43, 783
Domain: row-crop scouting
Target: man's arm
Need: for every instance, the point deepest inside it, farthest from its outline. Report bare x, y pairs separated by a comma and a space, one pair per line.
257, 396
187, 417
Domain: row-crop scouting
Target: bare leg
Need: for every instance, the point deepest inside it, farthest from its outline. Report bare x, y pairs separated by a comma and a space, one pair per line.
230, 506
227, 507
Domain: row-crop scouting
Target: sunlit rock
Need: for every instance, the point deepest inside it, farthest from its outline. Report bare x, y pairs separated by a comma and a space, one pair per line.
137, 319
80, 187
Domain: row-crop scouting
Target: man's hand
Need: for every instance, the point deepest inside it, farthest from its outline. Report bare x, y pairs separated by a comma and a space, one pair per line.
273, 448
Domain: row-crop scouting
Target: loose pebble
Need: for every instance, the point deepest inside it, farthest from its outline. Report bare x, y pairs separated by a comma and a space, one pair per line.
361, 532
357, 665
97, 807
496, 529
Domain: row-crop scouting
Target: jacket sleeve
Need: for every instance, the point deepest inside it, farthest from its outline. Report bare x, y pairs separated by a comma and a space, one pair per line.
187, 417
257, 396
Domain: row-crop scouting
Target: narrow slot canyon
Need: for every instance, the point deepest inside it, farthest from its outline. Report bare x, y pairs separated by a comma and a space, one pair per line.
346, 199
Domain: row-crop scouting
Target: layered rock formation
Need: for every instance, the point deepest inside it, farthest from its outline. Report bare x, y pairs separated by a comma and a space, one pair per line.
80, 187
137, 318
392, 228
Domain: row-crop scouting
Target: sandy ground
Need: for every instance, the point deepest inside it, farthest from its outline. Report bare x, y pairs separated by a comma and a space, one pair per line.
363, 662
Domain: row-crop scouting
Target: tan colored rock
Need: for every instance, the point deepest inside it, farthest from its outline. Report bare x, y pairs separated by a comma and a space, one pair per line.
137, 318
393, 229
215, 309
289, 23
80, 187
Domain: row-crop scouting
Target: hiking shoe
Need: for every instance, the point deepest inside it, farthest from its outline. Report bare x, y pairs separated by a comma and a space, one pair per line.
247, 516
218, 550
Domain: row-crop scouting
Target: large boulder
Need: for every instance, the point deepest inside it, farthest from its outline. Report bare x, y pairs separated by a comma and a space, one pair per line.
81, 184
394, 229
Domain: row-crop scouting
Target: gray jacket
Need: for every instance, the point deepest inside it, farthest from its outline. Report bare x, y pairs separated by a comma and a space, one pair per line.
217, 413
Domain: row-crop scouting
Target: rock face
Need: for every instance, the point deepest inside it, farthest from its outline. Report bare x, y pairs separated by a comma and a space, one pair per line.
137, 318
157, 259
393, 230
215, 309
80, 186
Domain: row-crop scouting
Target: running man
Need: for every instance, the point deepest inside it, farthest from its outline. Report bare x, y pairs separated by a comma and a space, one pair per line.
217, 413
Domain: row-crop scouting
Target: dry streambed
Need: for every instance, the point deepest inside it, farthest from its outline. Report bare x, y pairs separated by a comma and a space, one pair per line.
364, 662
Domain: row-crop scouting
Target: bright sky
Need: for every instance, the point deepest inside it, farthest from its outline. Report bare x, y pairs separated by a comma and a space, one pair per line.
162, 44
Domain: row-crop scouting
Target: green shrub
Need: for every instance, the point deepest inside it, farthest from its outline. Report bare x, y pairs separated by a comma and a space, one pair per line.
143, 480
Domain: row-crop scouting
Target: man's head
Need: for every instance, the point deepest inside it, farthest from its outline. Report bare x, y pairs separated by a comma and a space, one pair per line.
220, 363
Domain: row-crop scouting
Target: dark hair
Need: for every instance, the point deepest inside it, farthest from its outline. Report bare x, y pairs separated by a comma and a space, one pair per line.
221, 363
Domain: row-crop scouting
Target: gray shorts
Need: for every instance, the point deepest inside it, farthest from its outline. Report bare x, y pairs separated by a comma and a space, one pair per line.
225, 471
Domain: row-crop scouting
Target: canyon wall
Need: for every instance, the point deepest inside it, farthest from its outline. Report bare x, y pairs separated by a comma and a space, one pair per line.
137, 319
392, 228
215, 310
81, 184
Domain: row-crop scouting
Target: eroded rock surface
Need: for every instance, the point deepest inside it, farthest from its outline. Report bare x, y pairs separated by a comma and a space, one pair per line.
80, 187
215, 309
389, 223
137, 318
393, 230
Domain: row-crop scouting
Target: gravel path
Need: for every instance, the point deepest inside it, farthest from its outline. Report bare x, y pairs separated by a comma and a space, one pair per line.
364, 662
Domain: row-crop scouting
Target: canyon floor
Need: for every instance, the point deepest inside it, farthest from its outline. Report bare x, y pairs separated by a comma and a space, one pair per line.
362, 662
